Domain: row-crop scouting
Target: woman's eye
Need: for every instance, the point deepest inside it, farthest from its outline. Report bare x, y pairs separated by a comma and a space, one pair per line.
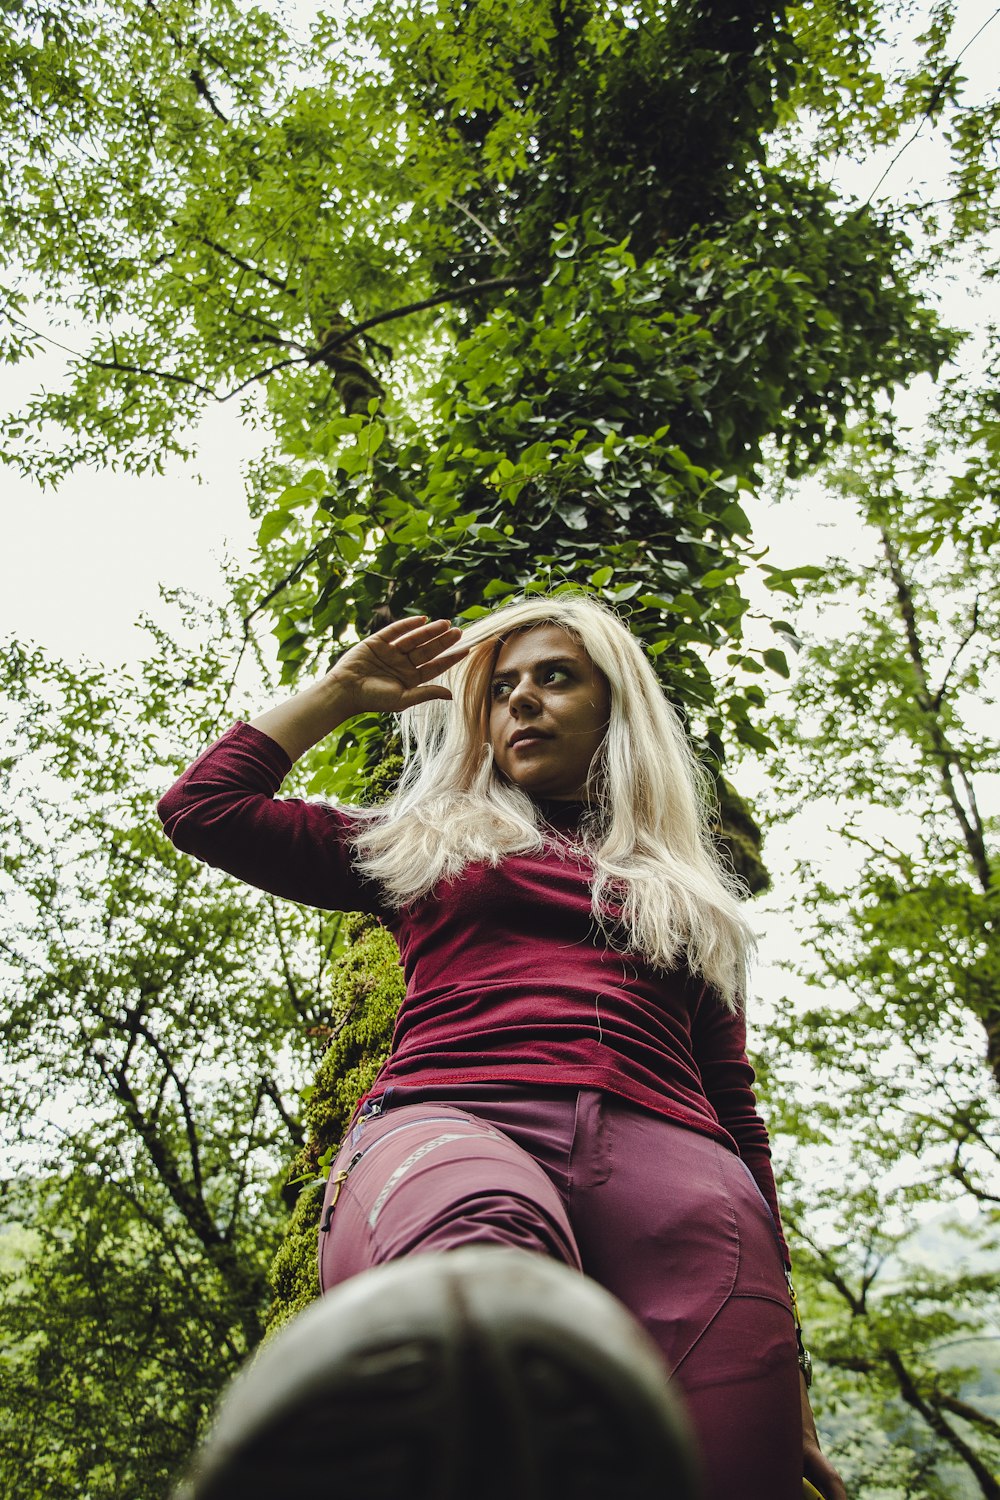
503, 688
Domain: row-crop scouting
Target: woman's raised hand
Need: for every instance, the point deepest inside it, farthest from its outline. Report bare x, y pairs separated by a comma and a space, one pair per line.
392, 670
395, 668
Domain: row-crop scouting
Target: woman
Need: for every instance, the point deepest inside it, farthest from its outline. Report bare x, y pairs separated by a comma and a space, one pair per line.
568, 1072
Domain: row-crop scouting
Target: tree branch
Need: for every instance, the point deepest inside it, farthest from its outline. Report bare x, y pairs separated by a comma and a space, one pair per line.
307, 357
475, 219
853, 1362
195, 76
283, 583
344, 336
241, 1279
137, 1027
832, 1275
948, 759
127, 369
945, 78
250, 268
932, 1415
959, 1172
491, 284
938, 697
192, 1209
293, 993
291, 1124
968, 1413
206, 93
241, 1176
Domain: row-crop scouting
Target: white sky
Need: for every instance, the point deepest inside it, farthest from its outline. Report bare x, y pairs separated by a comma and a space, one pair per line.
81, 563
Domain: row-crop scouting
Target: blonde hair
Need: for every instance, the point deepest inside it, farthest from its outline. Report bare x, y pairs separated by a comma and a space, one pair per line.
658, 881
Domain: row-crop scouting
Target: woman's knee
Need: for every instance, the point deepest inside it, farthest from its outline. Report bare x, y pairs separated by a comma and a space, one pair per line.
422, 1179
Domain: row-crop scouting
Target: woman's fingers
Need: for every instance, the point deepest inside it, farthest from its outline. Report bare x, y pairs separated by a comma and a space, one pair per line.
409, 654
441, 661
424, 693
444, 644
397, 628
421, 641
413, 632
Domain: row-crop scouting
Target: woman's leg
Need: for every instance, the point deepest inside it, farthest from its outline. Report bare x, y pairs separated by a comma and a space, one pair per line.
425, 1177
673, 1224
487, 1372
741, 1382
666, 1219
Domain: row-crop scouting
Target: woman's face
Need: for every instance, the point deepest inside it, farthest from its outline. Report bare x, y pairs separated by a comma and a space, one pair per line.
549, 707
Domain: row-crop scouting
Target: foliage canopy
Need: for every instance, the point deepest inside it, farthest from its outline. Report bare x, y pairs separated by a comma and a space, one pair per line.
604, 295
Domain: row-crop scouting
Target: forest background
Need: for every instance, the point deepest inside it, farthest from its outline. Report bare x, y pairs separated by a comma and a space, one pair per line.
454, 300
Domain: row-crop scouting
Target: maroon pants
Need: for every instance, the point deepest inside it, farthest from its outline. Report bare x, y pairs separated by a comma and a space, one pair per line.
668, 1220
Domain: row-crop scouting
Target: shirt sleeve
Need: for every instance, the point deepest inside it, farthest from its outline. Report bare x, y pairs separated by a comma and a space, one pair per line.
224, 811
720, 1040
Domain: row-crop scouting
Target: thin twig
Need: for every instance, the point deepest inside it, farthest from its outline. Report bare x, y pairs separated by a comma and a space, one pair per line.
932, 103
479, 223
282, 584
317, 356
491, 284
249, 267
938, 697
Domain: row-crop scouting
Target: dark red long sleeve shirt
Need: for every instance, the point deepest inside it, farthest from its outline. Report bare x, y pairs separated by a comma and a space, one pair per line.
507, 977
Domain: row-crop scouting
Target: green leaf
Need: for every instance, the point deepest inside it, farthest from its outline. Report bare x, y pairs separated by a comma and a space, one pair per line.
782, 627
274, 524
715, 577
777, 661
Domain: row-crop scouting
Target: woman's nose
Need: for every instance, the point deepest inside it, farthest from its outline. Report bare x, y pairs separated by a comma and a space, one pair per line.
523, 697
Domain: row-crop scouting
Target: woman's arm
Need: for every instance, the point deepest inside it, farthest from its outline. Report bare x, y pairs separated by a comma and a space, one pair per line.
223, 809
816, 1467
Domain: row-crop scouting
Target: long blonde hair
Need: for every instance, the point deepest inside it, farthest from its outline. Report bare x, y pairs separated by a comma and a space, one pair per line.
658, 880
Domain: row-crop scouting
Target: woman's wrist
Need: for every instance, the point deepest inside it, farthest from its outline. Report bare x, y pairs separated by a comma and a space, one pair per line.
301, 722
